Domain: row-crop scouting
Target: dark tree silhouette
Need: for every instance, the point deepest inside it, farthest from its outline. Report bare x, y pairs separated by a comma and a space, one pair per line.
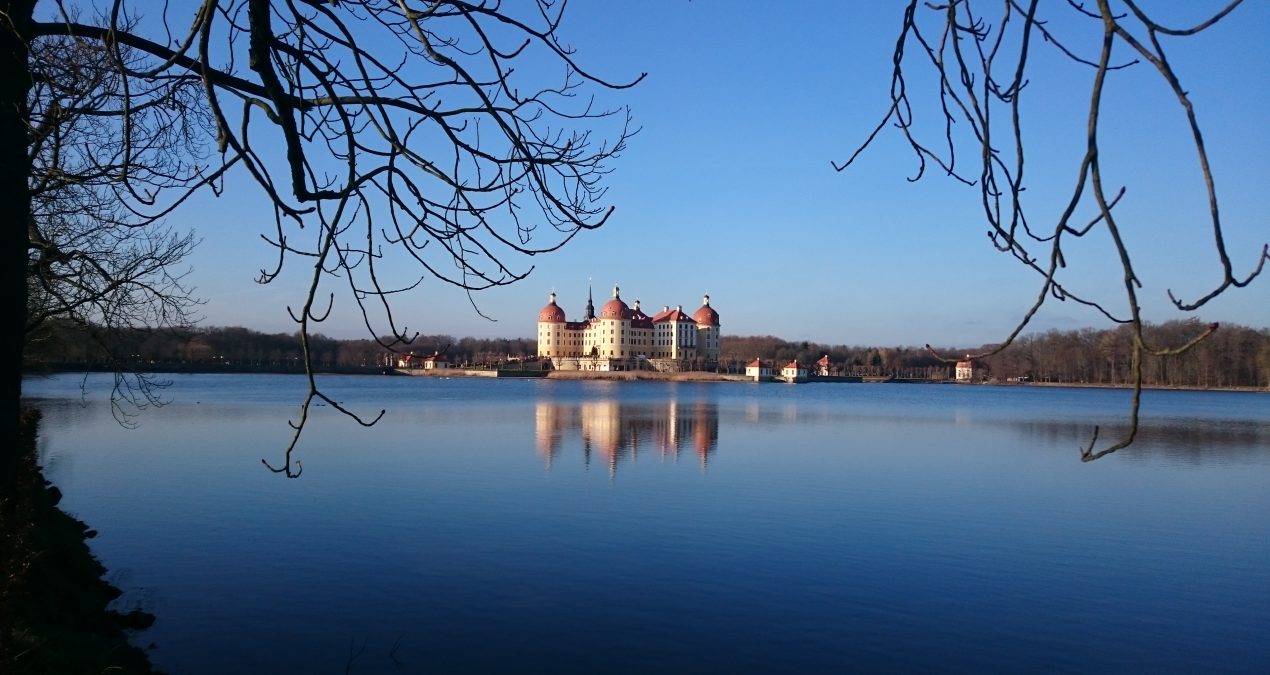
980, 66
458, 136
98, 253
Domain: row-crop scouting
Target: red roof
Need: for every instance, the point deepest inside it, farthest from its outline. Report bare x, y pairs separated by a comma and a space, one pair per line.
551, 314
672, 315
638, 318
615, 309
756, 363
706, 316
824, 360
793, 364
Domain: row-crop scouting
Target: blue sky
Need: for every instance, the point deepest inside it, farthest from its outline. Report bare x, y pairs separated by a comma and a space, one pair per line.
728, 189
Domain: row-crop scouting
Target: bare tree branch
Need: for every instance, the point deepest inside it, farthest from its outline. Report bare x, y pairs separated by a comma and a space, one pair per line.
430, 134
978, 73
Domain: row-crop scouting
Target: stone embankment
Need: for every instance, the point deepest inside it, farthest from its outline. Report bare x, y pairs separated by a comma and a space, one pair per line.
692, 376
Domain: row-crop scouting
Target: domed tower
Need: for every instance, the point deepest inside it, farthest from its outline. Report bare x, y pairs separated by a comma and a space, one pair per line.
615, 308
614, 328
707, 332
550, 329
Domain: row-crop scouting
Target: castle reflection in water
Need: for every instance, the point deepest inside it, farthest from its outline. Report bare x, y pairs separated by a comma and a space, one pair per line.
614, 432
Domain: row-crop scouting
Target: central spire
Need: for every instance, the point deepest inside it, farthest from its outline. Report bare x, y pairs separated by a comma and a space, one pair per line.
590, 305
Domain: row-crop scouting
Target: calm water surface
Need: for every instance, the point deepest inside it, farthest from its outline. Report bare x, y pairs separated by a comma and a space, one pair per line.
551, 526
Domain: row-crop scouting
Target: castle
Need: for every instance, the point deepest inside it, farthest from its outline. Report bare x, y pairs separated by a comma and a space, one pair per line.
625, 338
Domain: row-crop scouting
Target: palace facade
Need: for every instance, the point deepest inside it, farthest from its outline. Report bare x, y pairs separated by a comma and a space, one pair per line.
621, 337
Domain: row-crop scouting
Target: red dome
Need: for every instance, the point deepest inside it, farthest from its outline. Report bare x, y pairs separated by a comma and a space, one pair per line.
551, 314
615, 309
706, 316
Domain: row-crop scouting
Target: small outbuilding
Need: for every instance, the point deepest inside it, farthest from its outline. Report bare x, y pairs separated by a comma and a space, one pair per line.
758, 371
434, 362
823, 366
794, 372
968, 370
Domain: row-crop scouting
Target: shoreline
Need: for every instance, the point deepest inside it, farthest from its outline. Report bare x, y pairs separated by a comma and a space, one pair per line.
617, 376
637, 376
58, 607
1154, 387
703, 376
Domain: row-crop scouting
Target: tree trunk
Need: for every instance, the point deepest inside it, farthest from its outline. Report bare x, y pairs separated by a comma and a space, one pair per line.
15, 215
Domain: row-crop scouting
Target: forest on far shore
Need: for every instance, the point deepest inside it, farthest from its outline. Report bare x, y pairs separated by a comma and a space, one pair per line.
1234, 356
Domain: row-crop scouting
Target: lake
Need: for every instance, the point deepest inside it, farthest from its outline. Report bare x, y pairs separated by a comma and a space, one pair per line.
634, 527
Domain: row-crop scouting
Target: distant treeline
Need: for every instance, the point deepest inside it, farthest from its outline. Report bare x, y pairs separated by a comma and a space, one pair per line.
73, 346
1234, 356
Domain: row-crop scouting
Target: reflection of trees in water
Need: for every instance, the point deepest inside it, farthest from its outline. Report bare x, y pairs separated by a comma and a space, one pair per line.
619, 432
1188, 440
1192, 441
615, 432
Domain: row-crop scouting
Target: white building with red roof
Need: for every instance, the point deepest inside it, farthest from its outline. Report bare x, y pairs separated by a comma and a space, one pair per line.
431, 362
435, 361
625, 338
823, 366
968, 370
794, 371
758, 370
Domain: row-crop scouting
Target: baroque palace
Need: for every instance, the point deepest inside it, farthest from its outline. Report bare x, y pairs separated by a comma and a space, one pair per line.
625, 338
